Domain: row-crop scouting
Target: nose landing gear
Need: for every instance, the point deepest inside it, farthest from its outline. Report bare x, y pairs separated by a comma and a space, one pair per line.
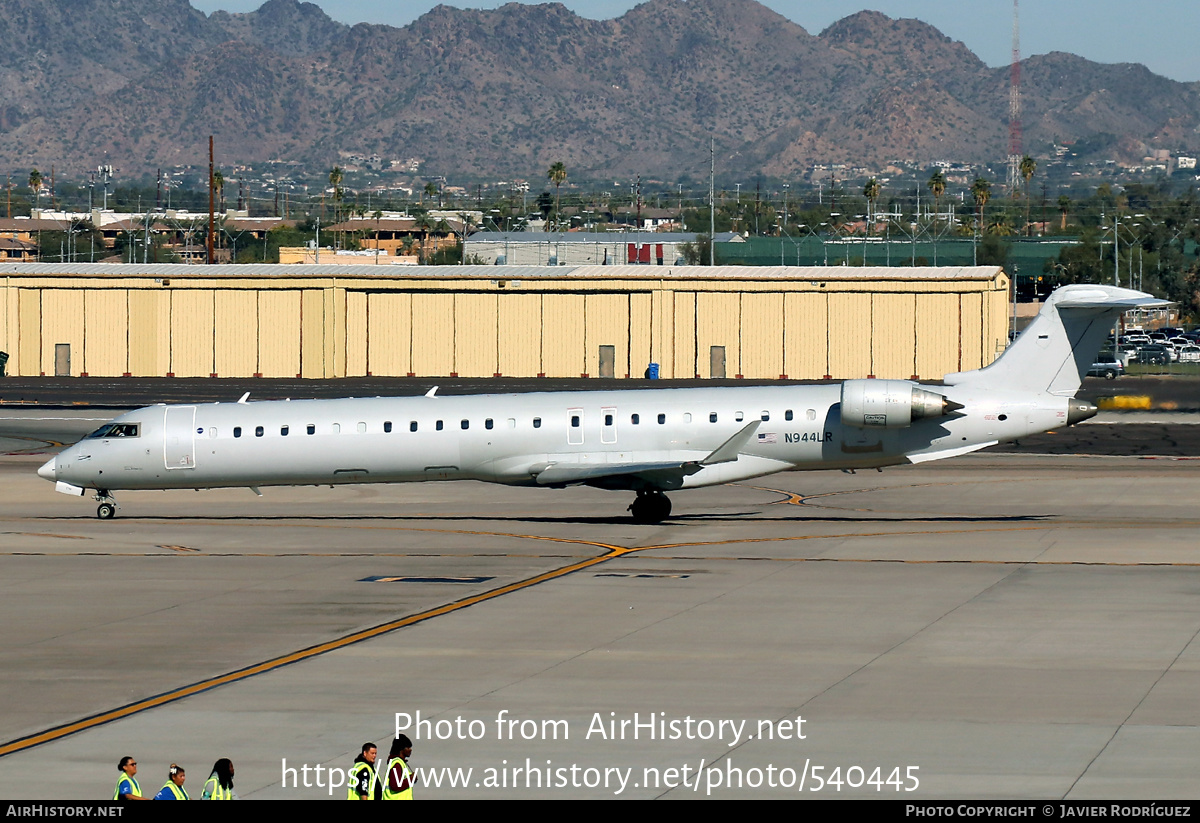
650, 507
107, 509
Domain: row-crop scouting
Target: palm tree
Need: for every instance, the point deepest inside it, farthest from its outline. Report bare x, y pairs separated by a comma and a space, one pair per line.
981, 190
871, 191
557, 174
937, 185
218, 184
424, 224
1028, 167
35, 183
1064, 206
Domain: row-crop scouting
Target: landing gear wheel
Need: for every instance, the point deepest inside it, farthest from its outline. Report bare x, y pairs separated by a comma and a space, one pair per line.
650, 507
106, 511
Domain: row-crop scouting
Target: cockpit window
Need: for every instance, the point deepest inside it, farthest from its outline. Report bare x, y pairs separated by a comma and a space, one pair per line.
115, 430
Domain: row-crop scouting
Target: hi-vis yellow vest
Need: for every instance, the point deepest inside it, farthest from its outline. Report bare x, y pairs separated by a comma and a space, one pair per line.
354, 772
213, 789
133, 784
406, 774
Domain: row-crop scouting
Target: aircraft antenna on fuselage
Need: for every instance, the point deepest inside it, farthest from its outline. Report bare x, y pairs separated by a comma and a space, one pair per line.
242, 399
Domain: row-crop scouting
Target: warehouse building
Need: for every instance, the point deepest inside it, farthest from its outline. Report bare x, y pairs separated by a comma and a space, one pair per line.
317, 322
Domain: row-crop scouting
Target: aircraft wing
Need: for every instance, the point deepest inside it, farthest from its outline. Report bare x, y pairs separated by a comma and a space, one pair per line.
727, 452
562, 473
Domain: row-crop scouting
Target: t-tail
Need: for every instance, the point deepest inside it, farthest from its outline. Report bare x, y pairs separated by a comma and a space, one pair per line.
1056, 350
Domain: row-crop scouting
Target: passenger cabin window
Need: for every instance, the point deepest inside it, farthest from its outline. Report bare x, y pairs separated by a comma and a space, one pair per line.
738, 416
412, 426
712, 417
512, 422
283, 431
258, 431
116, 430
662, 418
574, 421
311, 429
635, 419
438, 425
466, 424
766, 415
237, 431
687, 417
608, 419
787, 415
387, 425
487, 424
811, 414
337, 428
537, 422
362, 428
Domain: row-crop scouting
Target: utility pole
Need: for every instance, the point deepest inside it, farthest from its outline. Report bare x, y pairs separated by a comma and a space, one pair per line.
209, 246
1014, 109
712, 201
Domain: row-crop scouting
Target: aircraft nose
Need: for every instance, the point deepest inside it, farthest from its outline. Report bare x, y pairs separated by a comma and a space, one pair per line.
49, 470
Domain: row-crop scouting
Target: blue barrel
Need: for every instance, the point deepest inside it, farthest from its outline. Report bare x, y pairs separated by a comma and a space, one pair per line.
652, 371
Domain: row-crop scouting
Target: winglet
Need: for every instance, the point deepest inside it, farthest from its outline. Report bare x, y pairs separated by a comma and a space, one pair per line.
432, 392
242, 399
728, 451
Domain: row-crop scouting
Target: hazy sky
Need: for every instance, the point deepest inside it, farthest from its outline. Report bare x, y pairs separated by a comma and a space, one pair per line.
1160, 35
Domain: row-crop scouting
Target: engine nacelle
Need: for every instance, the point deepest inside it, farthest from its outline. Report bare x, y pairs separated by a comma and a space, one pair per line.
890, 404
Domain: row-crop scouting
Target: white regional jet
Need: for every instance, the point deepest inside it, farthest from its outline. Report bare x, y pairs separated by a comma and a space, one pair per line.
645, 441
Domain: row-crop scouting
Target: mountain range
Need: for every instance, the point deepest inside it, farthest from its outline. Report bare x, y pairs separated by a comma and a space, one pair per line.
511, 90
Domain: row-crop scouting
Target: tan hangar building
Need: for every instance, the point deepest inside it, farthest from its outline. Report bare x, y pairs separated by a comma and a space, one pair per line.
322, 321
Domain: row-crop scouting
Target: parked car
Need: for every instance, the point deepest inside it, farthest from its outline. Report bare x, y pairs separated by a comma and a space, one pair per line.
1106, 366
1156, 355
1189, 354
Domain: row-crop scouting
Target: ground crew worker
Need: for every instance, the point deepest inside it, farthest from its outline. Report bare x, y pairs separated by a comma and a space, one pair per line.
400, 778
127, 785
173, 788
364, 780
219, 785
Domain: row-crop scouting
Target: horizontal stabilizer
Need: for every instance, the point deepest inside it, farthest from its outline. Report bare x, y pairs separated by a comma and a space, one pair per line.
1107, 297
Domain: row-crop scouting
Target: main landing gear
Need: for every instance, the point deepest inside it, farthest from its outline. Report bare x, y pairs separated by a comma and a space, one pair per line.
650, 507
107, 509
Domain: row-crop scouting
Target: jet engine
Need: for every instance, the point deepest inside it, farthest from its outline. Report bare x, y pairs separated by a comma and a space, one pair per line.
890, 404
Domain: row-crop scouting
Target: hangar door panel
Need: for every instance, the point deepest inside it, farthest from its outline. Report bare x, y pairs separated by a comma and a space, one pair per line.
235, 333
192, 332
607, 325
433, 334
893, 340
562, 348
849, 335
762, 335
62, 322
475, 335
806, 336
519, 335
279, 333
106, 332
389, 334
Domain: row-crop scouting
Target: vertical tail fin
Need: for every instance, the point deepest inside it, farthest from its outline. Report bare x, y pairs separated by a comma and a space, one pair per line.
1055, 351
